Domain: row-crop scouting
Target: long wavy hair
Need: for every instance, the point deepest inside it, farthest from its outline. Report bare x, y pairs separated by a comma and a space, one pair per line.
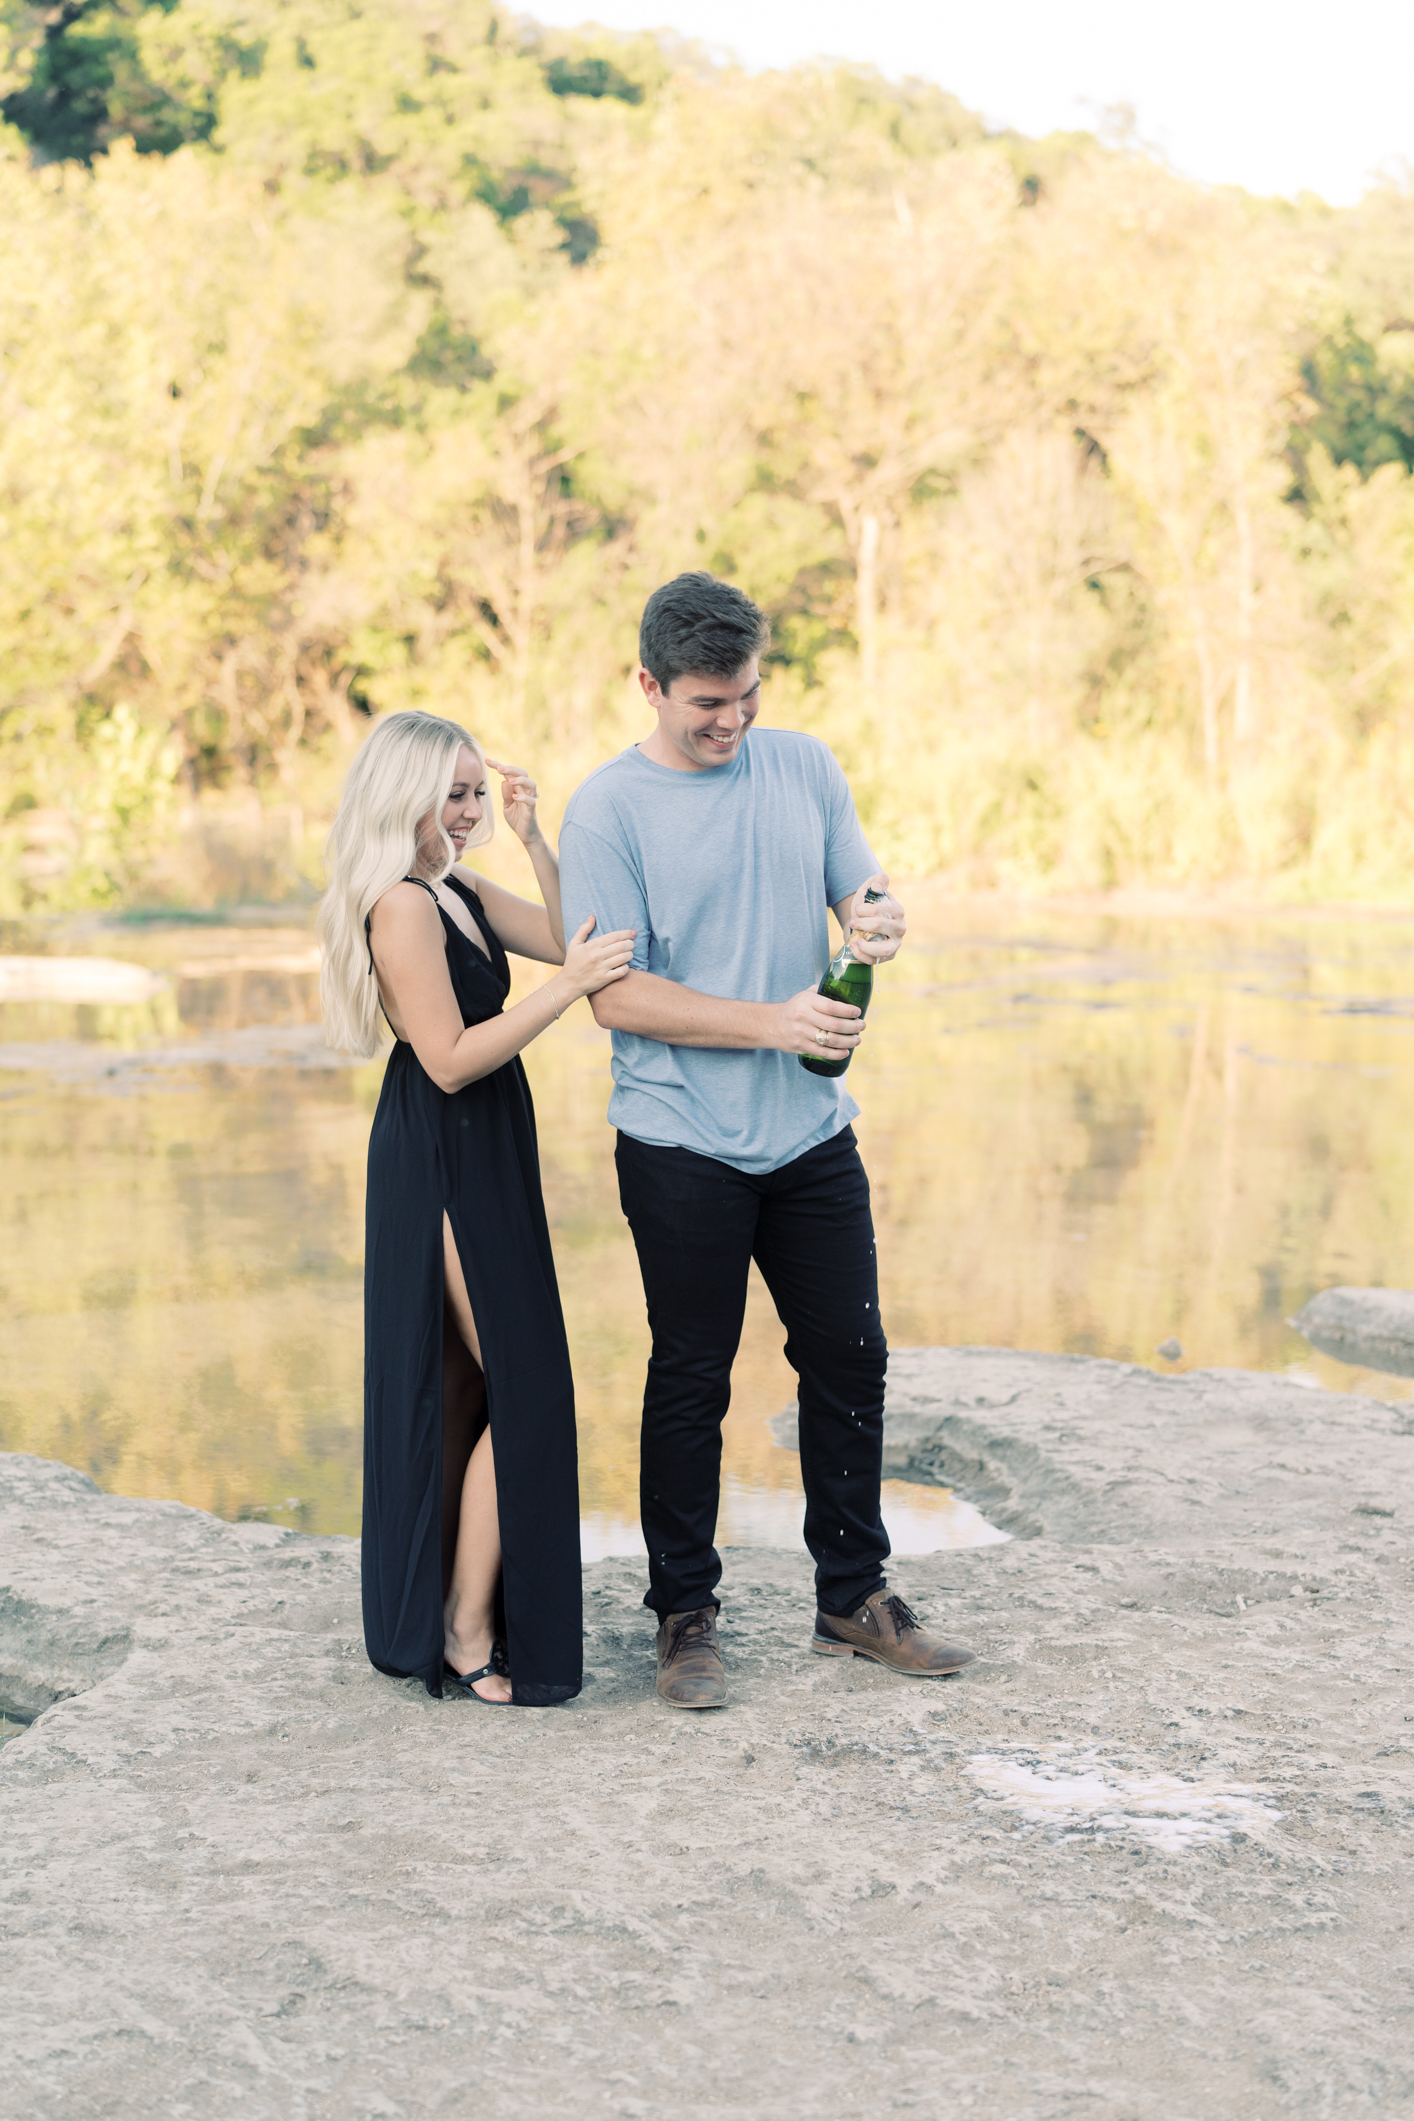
403, 775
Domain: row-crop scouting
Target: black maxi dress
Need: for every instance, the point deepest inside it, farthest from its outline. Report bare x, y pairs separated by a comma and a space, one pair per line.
473, 1154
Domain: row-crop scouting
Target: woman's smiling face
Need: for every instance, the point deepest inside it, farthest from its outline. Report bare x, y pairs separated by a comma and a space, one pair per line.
461, 813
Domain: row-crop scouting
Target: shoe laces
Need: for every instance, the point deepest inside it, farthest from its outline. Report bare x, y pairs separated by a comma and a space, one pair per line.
900, 1615
692, 1627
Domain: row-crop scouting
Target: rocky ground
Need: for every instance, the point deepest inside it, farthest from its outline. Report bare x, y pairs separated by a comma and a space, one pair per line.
1149, 1858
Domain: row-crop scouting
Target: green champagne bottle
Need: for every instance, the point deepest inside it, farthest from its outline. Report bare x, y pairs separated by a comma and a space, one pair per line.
849, 979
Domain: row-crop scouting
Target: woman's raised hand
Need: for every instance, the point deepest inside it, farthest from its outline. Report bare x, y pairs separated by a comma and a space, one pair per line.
589, 965
518, 798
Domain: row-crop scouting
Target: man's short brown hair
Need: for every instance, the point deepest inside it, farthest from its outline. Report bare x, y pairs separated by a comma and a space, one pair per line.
696, 623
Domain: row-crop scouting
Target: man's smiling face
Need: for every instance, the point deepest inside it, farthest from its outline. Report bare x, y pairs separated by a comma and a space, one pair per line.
702, 719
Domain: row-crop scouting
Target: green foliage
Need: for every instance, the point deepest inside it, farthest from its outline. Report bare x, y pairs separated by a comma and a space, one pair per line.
590, 76
129, 778
84, 826
371, 353
83, 82
1362, 398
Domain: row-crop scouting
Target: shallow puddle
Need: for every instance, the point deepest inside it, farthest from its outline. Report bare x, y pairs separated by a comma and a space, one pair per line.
918, 1520
1085, 1133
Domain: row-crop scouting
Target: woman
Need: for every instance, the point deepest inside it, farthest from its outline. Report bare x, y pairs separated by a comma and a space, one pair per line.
471, 1573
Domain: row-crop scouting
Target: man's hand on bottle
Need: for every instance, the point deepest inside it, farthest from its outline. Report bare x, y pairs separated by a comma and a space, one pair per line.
812, 1023
876, 928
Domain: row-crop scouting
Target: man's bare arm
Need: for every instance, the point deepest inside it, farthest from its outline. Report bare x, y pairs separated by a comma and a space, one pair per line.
651, 1007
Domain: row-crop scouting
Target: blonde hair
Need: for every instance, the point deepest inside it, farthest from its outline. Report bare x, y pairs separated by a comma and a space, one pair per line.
403, 774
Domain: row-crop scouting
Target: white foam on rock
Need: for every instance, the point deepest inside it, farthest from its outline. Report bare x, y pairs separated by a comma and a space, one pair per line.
1065, 1794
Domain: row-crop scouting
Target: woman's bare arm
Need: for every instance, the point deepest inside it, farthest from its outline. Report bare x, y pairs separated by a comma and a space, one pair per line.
525, 929
518, 805
546, 864
410, 957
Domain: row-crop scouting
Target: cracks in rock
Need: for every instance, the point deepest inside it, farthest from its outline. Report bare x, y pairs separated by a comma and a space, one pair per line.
49, 1655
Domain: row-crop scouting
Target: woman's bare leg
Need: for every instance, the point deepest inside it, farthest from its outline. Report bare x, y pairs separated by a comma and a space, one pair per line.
468, 1613
458, 1302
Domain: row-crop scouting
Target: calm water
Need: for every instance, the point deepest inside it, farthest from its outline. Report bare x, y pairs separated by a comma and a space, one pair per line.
1085, 1133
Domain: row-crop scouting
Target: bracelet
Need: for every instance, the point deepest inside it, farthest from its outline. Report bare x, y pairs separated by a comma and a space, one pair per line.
550, 990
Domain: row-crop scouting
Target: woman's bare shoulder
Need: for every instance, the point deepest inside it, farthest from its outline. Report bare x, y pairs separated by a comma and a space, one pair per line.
405, 908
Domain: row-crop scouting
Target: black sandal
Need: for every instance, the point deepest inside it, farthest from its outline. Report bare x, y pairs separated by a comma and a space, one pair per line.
465, 1682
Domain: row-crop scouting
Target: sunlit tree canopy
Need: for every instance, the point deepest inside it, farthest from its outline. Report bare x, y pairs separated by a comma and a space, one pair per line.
366, 356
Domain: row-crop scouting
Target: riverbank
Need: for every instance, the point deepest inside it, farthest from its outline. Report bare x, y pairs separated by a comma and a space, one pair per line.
1148, 1859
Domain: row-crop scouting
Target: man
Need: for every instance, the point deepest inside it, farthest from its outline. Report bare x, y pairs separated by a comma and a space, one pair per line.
722, 845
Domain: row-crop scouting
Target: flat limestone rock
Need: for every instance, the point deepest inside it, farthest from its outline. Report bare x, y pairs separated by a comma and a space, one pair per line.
78, 1061
77, 979
1148, 1860
1371, 1327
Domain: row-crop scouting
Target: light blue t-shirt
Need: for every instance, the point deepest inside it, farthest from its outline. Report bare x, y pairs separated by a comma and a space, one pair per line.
728, 875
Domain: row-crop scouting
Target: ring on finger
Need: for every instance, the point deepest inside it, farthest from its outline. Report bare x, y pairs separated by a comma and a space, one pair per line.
823, 1037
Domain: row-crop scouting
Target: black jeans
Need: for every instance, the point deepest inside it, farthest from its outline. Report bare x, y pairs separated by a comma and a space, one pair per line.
697, 1225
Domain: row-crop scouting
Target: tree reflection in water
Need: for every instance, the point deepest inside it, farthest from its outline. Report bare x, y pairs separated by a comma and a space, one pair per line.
1086, 1132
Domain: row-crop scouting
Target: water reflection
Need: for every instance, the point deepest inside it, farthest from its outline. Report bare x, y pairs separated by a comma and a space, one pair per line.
1085, 1133
918, 1521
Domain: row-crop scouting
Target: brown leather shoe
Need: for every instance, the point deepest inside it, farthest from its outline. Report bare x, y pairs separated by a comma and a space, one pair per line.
885, 1630
690, 1670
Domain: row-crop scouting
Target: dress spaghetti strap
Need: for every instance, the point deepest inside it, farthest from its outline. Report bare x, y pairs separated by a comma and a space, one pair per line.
368, 918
